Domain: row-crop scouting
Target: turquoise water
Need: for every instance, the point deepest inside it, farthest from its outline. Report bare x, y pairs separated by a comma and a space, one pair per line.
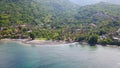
14, 55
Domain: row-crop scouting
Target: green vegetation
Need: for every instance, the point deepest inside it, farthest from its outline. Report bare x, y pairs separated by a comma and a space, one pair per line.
93, 39
55, 20
107, 41
32, 35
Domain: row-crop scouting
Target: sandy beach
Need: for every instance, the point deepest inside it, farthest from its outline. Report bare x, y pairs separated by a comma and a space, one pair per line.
44, 42
34, 42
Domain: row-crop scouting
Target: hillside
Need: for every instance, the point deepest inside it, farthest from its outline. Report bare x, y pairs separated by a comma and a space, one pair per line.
59, 20
36, 11
106, 16
99, 12
55, 13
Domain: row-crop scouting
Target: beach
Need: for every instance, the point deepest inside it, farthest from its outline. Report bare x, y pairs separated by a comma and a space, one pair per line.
34, 42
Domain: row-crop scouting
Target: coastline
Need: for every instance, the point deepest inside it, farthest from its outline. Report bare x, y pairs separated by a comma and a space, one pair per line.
34, 42
49, 42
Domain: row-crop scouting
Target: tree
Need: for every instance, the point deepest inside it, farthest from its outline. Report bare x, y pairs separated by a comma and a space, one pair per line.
32, 36
93, 40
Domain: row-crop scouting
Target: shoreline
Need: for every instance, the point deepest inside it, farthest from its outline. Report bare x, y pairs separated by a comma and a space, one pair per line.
48, 42
34, 42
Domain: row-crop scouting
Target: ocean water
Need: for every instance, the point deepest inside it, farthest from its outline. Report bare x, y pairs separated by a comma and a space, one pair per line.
15, 55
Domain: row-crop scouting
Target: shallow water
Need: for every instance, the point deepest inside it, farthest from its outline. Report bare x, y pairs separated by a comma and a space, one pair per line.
14, 55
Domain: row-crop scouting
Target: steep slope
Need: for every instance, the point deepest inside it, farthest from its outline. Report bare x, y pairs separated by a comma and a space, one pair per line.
98, 13
36, 11
55, 13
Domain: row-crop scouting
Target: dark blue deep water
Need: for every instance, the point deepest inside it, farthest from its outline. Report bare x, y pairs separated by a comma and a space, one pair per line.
15, 55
